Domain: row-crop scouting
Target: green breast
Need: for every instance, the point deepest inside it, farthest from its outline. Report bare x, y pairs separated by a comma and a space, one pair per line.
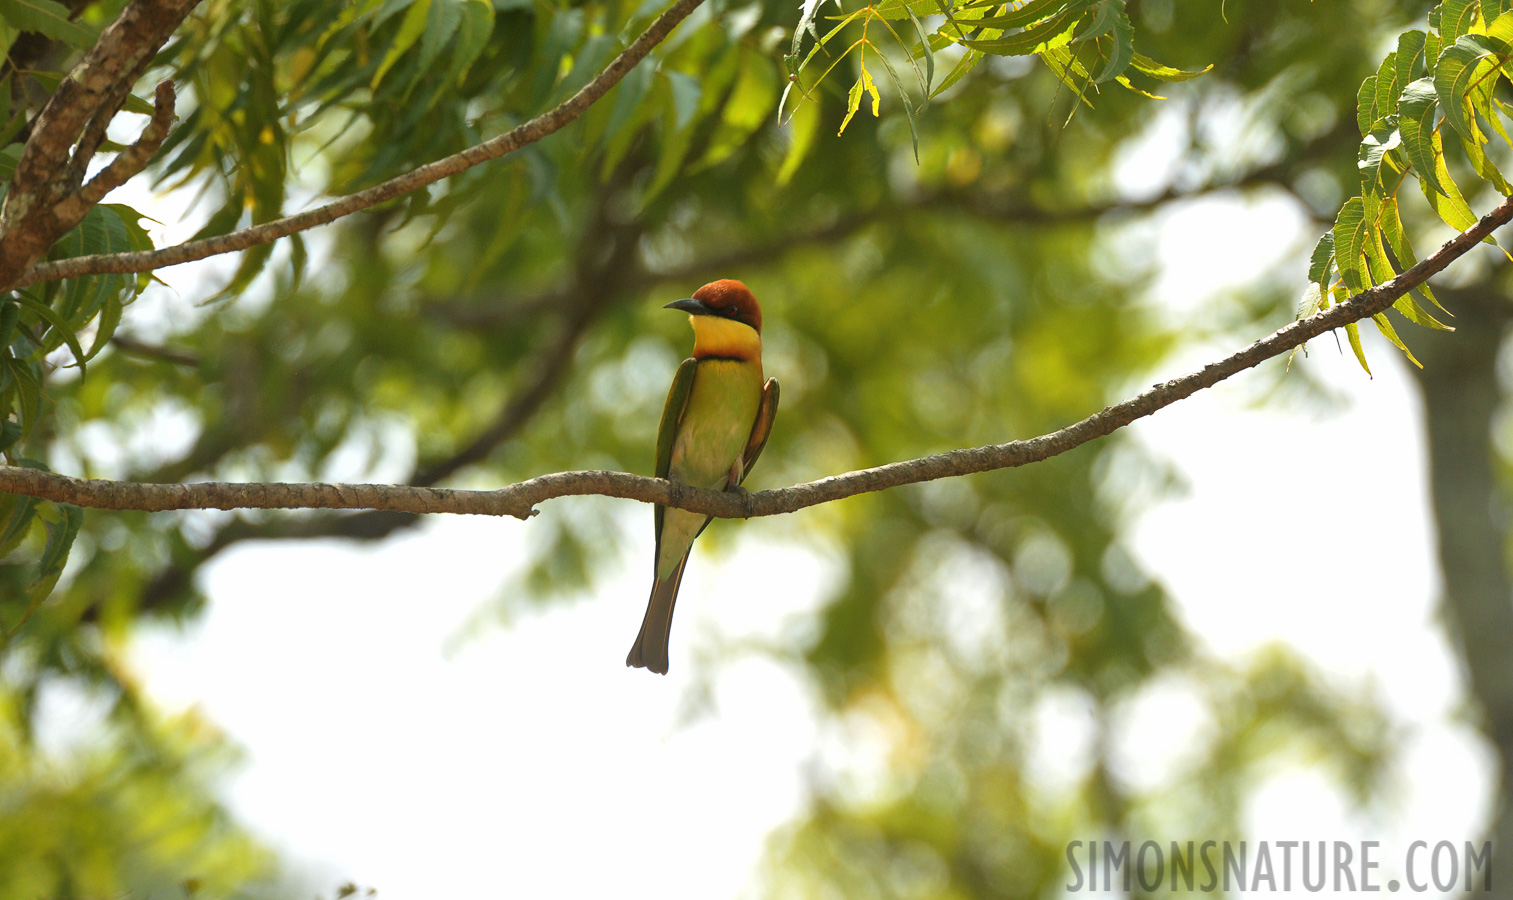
717, 421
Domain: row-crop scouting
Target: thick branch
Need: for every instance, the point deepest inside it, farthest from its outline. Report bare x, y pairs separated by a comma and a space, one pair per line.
268, 232
520, 499
41, 204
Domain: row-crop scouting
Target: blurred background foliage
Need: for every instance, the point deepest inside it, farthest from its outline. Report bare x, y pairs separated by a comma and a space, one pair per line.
506, 323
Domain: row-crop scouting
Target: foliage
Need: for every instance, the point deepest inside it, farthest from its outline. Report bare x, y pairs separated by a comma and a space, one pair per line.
131, 814
1067, 35
1435, 83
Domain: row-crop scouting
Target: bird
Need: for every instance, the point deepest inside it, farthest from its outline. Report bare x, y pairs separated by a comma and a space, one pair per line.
715, 424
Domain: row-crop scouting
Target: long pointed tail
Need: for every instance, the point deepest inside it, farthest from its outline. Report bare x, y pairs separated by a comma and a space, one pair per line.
650, 649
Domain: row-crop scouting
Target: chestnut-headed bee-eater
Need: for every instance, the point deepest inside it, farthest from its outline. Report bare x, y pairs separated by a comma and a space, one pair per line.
714, 426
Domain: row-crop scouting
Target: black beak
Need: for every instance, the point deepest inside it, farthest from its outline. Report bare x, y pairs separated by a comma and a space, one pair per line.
691, 306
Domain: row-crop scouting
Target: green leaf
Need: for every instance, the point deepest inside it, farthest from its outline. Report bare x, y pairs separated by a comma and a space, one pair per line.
1410, 58
1455, 19
1484, 166
1123, 51
1350, 231
1373, 150
1387, 86
1365, 105
10, 314
49, 19
410, 29
60, 539
629, 93
749, 104
1450, 205
1321, 260
1397, 238
968, 61
1311, 301
473, 34
29, 393
1353, 332
853, 101
1416, 109
687, 92
806, 128
924, 43
51, 317
1385, 327
1460, 66
1147, 66
1053, 32
903, 95
110, 320
1031, 12
442, 21
17, 526
1101, 22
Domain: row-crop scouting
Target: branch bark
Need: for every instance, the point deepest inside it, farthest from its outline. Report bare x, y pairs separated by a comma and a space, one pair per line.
527, 133
519, 500
45, 200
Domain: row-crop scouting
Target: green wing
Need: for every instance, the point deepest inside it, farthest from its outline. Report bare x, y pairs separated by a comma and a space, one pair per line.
762, 427
672, 414
667, 433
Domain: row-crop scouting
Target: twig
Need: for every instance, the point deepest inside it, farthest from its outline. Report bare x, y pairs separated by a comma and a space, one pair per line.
526, 133
133, 347
519, 500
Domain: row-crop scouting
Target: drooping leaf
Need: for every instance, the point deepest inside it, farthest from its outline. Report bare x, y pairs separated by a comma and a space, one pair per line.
55, 322
60, 540
410, 29
49, 19
1397, 239
1390, 333
1147, 66
1353, 332
1449, 205
1123, 50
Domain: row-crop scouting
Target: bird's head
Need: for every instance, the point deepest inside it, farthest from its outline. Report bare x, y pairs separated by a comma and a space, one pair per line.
726, 298
727, 320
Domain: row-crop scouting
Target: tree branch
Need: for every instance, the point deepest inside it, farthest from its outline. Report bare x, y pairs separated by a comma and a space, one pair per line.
519, 500
268, 232
43, 202
133, 347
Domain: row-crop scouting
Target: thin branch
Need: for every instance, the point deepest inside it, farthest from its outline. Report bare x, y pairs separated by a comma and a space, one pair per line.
519, 500
526, 133
133, 347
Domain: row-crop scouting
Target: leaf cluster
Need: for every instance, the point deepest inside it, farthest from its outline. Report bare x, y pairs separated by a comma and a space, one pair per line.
1069, 36
1437, 85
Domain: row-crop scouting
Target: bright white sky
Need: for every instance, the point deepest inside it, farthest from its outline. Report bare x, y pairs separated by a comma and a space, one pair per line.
528, 761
